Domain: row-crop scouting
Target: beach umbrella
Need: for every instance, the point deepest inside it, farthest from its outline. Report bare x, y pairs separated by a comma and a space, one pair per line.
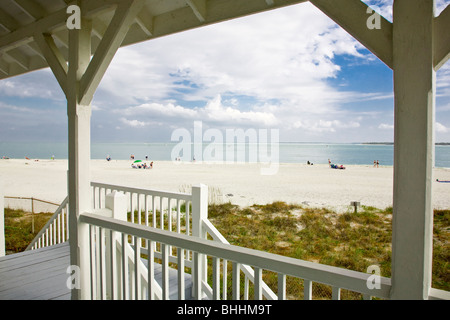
137, 161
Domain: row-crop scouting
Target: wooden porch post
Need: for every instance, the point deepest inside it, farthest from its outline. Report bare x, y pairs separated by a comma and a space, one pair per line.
199, 213
79, 152
414, 87
83, 77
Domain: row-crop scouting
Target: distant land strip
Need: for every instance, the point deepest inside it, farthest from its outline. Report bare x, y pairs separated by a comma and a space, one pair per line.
391, 143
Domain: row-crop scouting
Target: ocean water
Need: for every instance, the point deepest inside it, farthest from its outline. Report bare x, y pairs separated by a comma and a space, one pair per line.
317, 153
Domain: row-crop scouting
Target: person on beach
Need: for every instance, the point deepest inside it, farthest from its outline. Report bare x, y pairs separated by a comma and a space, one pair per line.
329, 162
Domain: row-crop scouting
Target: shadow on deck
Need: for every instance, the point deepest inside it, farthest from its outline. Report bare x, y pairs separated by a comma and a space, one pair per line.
35, 275
42, 275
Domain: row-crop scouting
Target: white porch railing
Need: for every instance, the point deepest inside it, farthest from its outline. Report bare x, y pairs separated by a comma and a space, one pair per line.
284, 266
55, 231
176, 212
175, 226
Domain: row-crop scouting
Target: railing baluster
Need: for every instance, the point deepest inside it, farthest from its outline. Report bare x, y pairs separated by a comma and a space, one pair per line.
124, 267
187, 226
137, 272
112, 265
154, 211
216, 278
336, 293
281, 286
151, 270
197, 280
236, 280
54, 232
50, 232
169, 214
67, 221
181, 285
165, 271
224, 279
161, 213
307, 289
92, 261
178, 215
258, 284
146, 209
246, 287
100, 238
169, 220
58, 229
188, 214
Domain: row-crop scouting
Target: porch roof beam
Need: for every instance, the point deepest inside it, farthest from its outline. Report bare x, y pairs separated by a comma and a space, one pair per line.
54, 58
441, 38
352, 16
50, 23
124, 16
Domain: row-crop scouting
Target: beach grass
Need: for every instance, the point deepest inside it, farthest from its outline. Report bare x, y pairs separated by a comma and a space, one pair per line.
19, 228
349, 240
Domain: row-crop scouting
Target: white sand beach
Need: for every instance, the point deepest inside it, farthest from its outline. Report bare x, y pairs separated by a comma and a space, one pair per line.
241, 184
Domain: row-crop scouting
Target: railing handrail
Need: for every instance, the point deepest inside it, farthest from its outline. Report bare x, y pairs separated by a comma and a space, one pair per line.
49, 222
32, 198
157, 193
334, 276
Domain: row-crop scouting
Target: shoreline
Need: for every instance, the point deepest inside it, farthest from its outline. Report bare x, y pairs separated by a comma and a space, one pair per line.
239, 183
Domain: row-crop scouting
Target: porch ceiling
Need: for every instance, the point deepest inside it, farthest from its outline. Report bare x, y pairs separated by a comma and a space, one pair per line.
22, 20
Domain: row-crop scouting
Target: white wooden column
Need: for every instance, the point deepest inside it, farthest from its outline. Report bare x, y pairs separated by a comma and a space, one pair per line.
79, 151
414, 87
83, 77
199, 214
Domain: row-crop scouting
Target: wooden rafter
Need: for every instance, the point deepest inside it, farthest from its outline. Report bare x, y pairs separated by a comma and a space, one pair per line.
31, 8
199, 8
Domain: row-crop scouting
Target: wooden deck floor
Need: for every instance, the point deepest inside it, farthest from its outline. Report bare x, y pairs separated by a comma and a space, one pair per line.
35, 275
41, 275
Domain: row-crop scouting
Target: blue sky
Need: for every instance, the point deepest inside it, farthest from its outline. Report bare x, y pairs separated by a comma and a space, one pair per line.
290, 69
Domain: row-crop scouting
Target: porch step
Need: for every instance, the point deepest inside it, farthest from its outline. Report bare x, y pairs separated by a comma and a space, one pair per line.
173, 281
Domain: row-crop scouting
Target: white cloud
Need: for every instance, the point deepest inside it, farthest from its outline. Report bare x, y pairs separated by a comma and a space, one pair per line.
133, 123
441, 128
325, 125
267, 70
289, 58
385, 126
38, 84
215, 112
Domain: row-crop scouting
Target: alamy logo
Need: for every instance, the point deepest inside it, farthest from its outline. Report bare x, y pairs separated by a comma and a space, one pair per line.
374, 281
374, 21
74, 20
251, 145
73, 281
